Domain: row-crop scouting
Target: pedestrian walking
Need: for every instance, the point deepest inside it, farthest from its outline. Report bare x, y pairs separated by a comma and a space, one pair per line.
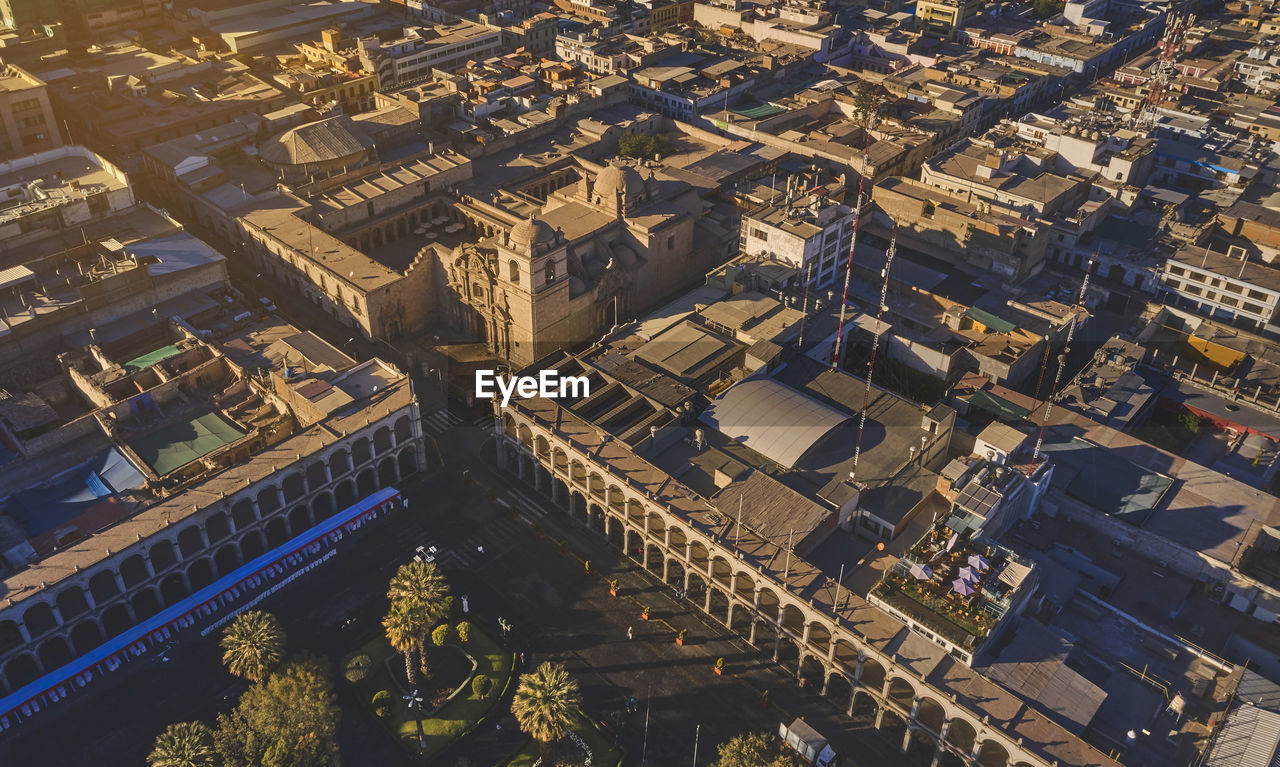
521, 659
629, 634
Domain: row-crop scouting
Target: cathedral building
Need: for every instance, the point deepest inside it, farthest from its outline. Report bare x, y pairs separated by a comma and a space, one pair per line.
596, 252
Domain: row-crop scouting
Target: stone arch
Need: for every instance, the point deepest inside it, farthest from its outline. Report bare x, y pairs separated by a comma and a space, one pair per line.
787, 654
216, 527
864, 706
873, 674
226, 560
387, 472
162, 556
746, 590
361, 451
252, 545
698, 556
381, 440
39, 618
541, 447
316, 479
277, 532
678, 537
293, 487
595, 485
300, 519
116, 619
403, 430
102, 586
322, 508
10, 636
901, 692
268, 501
173, 589
921, 745
819, 637
54, 653
145, 604
86, 636
697, 590
838, 689
893, 724
961, 736
577, 473
21, 671
242, 513
992, 754
408, 460
200, 573
71, 602
366, 483
133, 571
931, 715
718, 605
675, 573
846, 653
791, 617
339, 463
509, 426
190, 541
721, 571
345, 496
811, 672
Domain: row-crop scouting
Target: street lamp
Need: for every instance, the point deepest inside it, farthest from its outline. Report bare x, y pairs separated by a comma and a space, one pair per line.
440, 378
415, 702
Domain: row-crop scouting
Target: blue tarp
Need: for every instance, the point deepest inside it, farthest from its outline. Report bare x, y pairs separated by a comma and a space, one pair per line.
45, 508
65, 676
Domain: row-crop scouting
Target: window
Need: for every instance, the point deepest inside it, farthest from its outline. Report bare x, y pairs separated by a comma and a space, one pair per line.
549, 271
671, 242
513, 271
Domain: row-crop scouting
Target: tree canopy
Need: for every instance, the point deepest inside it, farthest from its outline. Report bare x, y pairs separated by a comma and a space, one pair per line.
757, 749
289, 720
546, 702
643, 146
252, 645
420, 586
185, 744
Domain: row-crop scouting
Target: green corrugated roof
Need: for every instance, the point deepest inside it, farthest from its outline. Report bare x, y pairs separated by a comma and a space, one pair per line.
1001, 408
151, 358
758, 112
181, 443
993, 323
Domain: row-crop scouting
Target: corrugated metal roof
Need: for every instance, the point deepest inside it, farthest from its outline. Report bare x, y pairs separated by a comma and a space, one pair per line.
1250, 737
772, 419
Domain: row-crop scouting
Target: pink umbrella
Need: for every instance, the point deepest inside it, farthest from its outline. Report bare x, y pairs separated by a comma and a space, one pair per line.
961, 587
968, 574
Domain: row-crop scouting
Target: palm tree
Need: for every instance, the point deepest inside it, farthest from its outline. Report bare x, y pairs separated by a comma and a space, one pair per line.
421, 588
252, 645
405, 627
185, 744
546, 703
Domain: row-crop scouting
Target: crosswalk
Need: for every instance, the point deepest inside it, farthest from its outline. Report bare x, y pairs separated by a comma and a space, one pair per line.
494, 539
443, 420
524, 505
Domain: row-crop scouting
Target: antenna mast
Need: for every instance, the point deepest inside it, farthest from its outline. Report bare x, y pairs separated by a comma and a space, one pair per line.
853, 244
875, 347
1170, 45
1062, 363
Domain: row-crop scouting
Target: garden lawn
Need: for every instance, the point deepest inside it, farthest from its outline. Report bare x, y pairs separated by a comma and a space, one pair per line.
458, 715
603, 752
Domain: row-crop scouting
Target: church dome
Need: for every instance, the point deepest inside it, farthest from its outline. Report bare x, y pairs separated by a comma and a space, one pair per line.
527, 235
618, 178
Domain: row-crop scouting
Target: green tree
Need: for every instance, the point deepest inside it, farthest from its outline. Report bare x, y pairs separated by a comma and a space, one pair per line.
421, 588
546, 703
1047, 9
252, 645
289, 720
405, 627
442, 634
185, 744
643, 146
464, 631
866, 102
480, 685
756, 749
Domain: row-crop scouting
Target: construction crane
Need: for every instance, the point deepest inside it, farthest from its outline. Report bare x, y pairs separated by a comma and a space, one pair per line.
1062, 363
1170, 45
875, 347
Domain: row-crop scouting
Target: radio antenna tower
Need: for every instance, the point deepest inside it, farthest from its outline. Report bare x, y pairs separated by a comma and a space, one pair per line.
875, 347
1175, 32
1062, 363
